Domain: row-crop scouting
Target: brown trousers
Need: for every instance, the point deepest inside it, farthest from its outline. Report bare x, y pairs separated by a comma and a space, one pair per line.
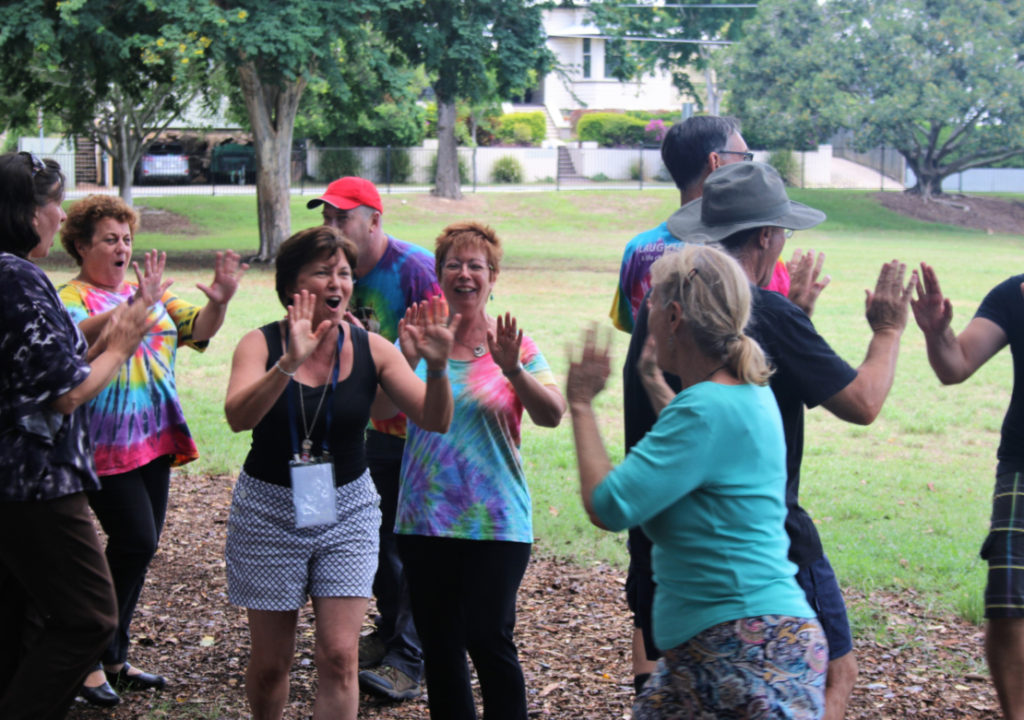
57, 607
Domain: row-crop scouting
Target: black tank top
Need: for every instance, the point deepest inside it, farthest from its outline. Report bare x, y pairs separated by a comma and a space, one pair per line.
271, 448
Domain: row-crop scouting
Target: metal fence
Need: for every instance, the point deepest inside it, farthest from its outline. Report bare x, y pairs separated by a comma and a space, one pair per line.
395, 170
885, 160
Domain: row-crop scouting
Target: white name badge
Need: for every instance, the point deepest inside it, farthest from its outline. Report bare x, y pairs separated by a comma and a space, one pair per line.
313, 494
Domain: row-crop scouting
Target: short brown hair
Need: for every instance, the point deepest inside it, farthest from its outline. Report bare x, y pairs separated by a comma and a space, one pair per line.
86, 213
304, 247
468, 234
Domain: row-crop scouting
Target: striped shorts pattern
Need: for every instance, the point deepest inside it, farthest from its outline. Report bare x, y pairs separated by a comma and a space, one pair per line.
770, 666
1004, 549
272, 565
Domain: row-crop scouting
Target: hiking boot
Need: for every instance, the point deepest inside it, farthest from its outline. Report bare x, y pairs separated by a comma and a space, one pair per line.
388, 682
371, 650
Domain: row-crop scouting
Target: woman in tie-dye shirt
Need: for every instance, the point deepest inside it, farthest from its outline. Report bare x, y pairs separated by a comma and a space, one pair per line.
137, 426
464, 515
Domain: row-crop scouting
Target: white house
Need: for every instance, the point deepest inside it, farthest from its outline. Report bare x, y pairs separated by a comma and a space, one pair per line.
581, 79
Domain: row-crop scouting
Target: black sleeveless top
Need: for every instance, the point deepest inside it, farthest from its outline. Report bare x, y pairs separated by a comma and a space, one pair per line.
271, 448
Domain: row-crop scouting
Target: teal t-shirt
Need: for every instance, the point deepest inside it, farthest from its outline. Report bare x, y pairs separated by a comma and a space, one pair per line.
707, 484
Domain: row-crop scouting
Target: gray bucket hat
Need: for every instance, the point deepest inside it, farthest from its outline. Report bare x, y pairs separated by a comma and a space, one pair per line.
741, 196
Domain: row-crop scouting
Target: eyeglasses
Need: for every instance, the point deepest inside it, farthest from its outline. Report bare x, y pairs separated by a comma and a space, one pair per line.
787, 233
37, 165
747, 155
454, 266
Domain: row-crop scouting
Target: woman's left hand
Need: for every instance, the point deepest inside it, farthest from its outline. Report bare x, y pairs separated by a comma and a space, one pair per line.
228, 270
505, 343
589, 372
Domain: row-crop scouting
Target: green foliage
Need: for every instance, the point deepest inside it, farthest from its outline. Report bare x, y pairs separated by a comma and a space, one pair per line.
507, 169
476, 50
785, 162
338, 162
611, 129
524, 128
394, 165
600, 177
927, 77
627, 60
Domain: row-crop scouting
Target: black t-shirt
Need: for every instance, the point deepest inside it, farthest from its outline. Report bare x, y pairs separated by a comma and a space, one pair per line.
638, 414
271, 449
807, 372
1004, 305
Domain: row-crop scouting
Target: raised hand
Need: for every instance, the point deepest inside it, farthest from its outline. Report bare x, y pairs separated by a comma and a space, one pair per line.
804, 285
302, 337
932, 311
151, 283
589, 372
886, 308
228, 270
430, 331
504, 343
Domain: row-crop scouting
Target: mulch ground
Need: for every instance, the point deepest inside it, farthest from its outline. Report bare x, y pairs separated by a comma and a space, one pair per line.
573, 635
992, 214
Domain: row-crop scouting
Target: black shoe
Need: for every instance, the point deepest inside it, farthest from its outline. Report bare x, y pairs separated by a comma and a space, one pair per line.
101, 695
141, 681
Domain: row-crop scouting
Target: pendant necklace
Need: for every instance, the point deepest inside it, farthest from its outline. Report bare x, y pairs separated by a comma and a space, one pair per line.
478, 352
307, 444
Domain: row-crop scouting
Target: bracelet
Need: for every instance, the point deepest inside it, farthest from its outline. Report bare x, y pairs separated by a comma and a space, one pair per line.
437, 374
515, 371
277, 366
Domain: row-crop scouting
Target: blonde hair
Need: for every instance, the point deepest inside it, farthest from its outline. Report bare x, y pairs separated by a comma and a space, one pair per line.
714, 295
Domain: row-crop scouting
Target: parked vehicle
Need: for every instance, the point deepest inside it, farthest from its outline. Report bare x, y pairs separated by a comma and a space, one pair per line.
233, 163
164, 162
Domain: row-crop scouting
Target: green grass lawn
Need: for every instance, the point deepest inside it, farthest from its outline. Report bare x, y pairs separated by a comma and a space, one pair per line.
901, 504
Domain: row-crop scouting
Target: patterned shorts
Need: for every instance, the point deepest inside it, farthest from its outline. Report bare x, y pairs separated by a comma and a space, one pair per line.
272, 565
1004, 549
770, 666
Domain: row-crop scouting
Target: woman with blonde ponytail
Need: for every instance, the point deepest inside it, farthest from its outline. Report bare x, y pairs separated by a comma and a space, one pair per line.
707, 485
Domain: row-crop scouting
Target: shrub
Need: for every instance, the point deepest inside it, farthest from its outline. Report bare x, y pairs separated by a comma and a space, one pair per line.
507, 169
785, 162
634, 170
527, 128
600, 177
400, 162
611, 129
338, 162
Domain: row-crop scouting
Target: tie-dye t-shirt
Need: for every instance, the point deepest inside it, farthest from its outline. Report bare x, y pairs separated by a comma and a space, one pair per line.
469, 483
138, 417
635, 274
404, 275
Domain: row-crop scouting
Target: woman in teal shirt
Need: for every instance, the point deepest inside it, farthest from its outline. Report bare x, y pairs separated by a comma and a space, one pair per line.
707, 485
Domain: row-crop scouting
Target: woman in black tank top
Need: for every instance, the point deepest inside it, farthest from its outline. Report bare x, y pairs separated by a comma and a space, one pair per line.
305, 387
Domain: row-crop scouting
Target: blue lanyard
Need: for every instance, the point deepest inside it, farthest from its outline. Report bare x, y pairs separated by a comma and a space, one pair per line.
291, 393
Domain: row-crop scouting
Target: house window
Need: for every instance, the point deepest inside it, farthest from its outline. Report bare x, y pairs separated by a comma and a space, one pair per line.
586, 57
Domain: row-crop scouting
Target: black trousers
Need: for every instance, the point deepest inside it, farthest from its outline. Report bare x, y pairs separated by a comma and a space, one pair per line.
131, 507
53, 571
463, 596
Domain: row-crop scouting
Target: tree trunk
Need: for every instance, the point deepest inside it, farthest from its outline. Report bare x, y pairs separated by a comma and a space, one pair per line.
123, 158
446, 182
272, 110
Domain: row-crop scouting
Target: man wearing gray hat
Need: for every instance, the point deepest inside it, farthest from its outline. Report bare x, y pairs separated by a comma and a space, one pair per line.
745, 210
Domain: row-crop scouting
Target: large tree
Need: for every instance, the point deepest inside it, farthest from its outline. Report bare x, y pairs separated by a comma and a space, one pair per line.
674, 37
939, 80
118, 73
473, 50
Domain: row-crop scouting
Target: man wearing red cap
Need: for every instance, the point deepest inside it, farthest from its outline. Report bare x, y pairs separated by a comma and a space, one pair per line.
391, 275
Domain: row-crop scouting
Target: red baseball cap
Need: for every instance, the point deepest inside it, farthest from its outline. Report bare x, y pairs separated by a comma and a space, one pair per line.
349, 192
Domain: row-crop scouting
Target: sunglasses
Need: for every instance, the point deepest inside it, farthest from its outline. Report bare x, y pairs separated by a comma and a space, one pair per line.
37, 165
